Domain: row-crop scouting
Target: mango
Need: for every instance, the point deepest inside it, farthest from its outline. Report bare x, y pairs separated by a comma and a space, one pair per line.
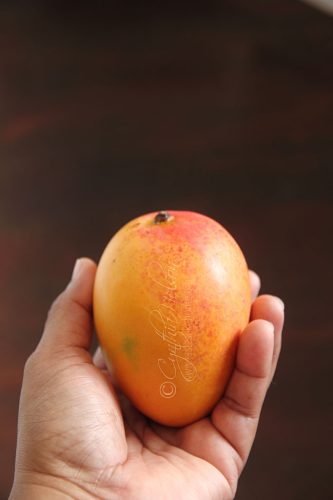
171, 298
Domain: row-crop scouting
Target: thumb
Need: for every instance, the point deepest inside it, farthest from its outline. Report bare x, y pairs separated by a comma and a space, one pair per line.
69, 321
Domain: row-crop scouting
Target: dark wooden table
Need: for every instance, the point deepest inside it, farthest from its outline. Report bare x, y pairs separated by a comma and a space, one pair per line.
225, 108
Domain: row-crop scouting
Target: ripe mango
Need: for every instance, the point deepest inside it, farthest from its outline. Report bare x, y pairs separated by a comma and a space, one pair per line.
171, 297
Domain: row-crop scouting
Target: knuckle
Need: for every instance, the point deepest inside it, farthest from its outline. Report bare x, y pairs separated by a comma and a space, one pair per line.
31, 364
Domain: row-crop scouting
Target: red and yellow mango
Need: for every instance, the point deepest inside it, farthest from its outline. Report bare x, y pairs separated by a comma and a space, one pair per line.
171, 297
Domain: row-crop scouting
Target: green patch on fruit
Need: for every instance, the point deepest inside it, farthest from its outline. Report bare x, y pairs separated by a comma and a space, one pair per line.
129, 348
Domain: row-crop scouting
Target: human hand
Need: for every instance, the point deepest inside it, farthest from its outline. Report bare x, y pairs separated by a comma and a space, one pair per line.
79, 438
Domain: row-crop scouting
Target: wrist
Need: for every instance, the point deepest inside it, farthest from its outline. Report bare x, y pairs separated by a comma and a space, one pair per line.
36, 492
40, 487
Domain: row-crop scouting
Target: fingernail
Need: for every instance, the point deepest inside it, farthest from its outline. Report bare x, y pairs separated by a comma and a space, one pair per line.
280, 302
76, 269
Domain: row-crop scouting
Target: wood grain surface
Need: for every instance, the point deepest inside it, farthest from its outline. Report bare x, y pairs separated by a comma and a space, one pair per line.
226, 108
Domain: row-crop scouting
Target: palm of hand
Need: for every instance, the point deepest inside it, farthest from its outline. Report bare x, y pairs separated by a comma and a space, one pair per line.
108, 453
74, 428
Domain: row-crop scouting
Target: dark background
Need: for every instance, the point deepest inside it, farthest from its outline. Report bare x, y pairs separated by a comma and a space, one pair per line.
225, 108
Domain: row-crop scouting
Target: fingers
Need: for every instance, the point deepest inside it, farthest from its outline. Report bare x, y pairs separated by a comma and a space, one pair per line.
236, 415
98, 359
69, 320
255, 284
271, 309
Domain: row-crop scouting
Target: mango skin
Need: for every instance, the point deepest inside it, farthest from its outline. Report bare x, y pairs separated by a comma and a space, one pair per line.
170, 301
